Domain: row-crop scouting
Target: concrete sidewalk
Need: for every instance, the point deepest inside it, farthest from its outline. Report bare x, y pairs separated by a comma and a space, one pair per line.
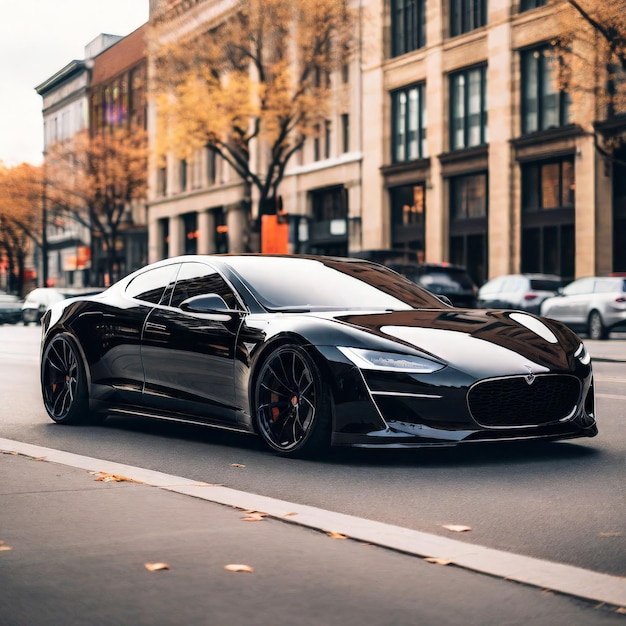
74, 546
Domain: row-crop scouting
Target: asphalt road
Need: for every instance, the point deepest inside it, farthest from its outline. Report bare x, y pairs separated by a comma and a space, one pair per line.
564, 502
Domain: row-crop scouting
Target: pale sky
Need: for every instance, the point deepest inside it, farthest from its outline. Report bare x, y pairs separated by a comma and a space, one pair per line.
37, 39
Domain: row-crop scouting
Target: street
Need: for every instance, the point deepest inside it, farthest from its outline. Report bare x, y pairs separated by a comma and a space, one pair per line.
561, 502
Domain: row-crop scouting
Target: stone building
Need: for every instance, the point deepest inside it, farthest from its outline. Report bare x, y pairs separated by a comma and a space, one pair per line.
447, 141
65, 114
118, 97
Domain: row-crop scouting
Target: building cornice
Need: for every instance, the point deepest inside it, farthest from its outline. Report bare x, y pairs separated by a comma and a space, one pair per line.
72, 69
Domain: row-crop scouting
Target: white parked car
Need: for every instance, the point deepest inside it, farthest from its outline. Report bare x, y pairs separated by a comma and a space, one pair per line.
39, 300
595, 305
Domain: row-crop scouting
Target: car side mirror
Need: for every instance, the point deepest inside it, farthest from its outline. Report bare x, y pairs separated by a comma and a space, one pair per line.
209, 303
445, 300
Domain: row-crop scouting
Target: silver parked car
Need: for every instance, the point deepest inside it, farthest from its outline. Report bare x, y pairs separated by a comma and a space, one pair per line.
525, 292
595, 305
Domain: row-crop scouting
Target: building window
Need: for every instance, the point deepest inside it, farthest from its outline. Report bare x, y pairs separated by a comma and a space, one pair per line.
195, 168
211, 166
468, 108
468, 224
345, 73
329, 204
468, 196
221, 231
407, 205
316, 142
327, 143
527, 5
409, 124
164, 237
345, 132
467, 15
162, 181
548, 185
190, 226
408, 26
182, 175
543, 106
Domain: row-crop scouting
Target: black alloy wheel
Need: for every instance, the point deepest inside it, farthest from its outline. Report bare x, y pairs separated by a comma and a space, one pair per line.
596, 326
63, 382
293, 410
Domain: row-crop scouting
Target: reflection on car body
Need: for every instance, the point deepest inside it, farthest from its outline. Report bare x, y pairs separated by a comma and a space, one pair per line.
310, 351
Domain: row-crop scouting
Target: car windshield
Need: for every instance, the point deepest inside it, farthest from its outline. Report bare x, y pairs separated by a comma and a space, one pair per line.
284, 283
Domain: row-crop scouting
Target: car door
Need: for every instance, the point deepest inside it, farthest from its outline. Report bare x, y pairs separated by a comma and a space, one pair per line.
115, 351
571, 306
188, 358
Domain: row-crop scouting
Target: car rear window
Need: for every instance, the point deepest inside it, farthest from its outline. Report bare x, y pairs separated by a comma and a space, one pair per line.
544, 284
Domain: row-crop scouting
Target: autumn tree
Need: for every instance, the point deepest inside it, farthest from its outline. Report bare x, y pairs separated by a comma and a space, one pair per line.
96, 179
592, 49
21, 217
250, 87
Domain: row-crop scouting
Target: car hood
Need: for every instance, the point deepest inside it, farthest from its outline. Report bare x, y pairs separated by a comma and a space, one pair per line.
482, 341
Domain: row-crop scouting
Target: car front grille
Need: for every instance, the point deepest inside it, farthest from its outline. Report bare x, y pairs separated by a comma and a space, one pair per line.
522, 401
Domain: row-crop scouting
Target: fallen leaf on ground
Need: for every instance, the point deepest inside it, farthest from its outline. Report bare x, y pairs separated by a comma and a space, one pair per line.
239, 567
290, 514
334, 535
112, 478
437, 560
4, 547
615, 534
13, 452
621, 610
156, 567
457, 528
237, 465
253, 517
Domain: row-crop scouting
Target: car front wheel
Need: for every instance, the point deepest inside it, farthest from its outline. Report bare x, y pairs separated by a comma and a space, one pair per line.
64, 382
293, 407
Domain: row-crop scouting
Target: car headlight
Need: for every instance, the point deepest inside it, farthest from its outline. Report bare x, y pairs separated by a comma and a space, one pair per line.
582, 355
390, 361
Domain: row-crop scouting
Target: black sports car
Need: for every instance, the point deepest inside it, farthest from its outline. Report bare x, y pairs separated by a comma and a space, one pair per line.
310, 351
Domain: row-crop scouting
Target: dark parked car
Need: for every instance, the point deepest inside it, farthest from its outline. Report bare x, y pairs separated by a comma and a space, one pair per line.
10, 308
595, 305
518, 291
442, 279
310, 351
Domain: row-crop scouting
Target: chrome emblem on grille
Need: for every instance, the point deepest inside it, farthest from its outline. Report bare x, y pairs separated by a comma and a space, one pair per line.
530, 377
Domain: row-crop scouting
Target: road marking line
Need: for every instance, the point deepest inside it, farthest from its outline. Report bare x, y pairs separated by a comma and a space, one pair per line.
566, 579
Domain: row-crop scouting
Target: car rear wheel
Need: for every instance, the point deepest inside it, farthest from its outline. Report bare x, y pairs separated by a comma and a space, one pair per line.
293, 408
64, 382
596, 326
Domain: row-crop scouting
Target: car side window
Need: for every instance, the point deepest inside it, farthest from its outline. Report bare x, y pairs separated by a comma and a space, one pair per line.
197, 279
492, 287
607, 285
584, 285
151, 286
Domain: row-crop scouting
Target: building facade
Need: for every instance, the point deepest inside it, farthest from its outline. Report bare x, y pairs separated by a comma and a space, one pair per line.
118, 98
447, 141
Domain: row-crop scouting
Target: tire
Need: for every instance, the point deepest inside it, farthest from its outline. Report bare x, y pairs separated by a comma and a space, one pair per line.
64, 382
292, 403
596, 326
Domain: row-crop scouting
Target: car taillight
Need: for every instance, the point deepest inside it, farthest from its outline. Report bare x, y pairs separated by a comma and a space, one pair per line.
530, 296
621, 299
